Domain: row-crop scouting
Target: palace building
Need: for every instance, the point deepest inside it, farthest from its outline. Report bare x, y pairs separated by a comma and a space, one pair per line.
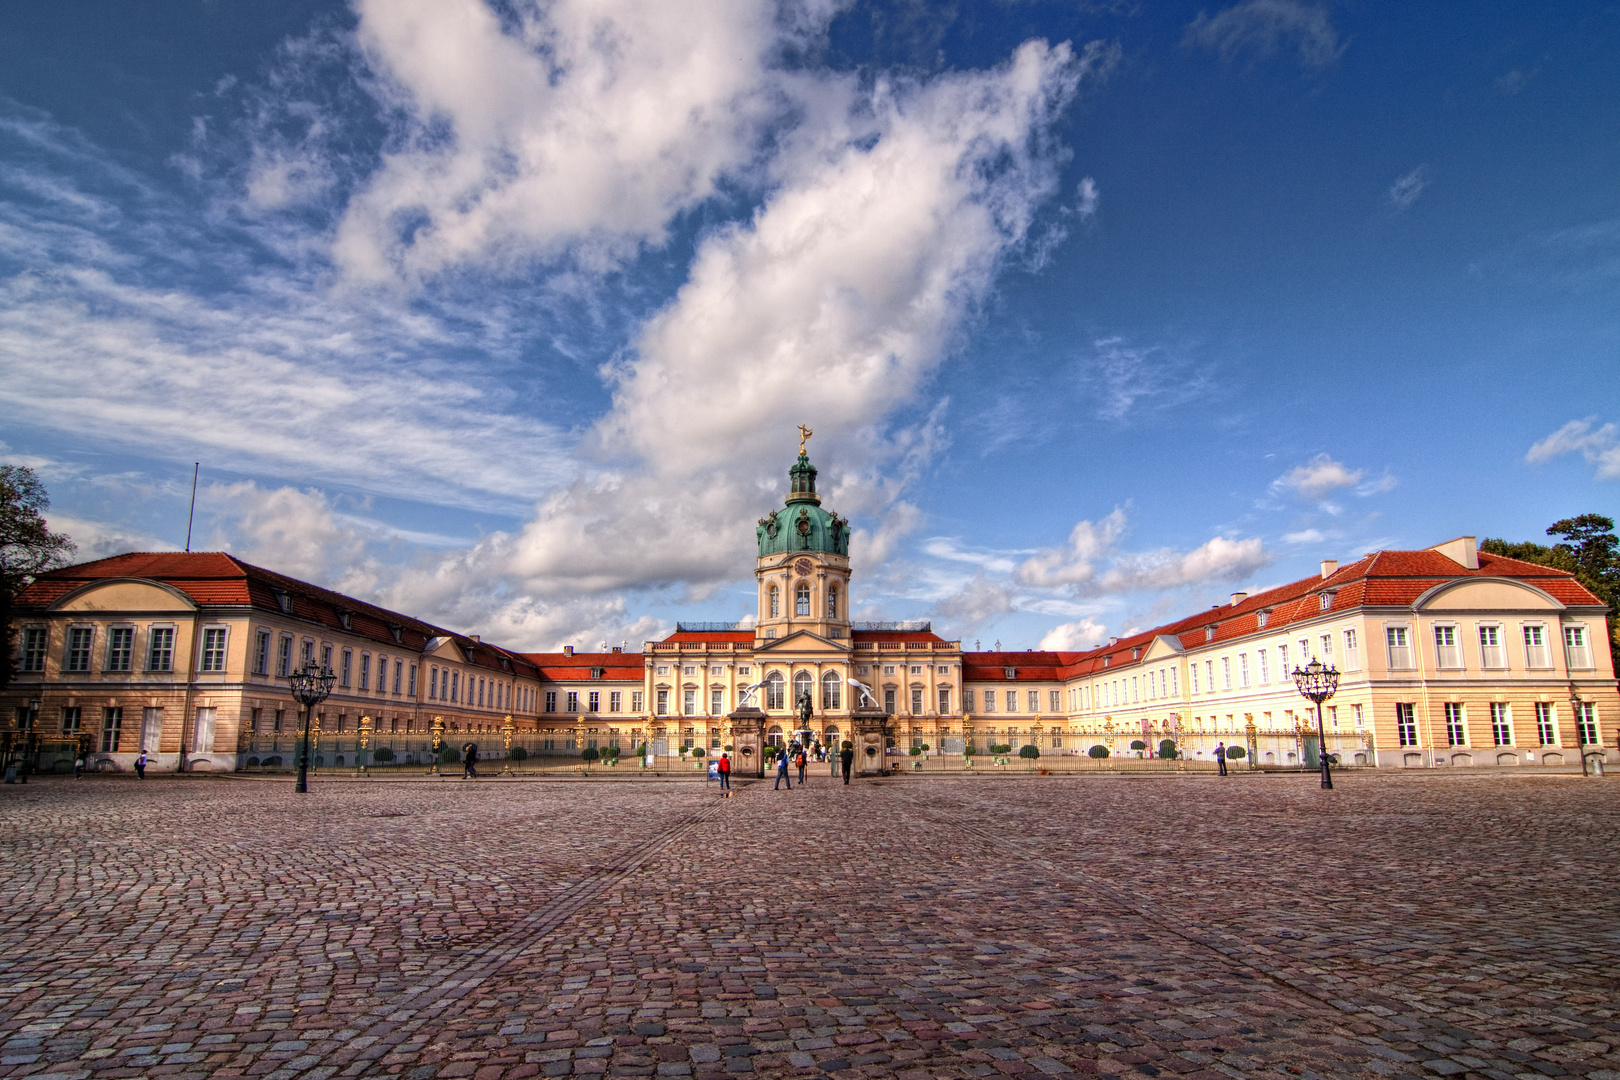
1447, 656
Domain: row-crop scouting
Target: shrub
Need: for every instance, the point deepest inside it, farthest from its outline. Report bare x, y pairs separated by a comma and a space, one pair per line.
449, 755
1002, 748
383, 754
925, 748
968, 751
518, 753
589, 754
1138, 744
916, 751
1167, 749
847, 745
1029, 753
698, 751
1099, 752
1236, 752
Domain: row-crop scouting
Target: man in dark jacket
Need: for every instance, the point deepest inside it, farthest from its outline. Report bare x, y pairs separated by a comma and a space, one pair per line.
469, 760
847, 759
1220, 757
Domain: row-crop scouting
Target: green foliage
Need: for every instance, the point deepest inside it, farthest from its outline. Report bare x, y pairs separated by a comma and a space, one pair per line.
383, 755
1236, 753
926, 748
1167, 749
449, 755
1029, 753
589, 754
1001, 748
698, 751
968, 750
518, 754
1099, 751
27, 548
847, 745
916, 751
1138, 744
610, 754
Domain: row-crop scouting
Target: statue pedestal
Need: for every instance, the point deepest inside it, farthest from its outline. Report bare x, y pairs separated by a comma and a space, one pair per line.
870, 730
748, 742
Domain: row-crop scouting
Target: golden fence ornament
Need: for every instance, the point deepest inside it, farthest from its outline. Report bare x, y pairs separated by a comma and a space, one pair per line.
366, 724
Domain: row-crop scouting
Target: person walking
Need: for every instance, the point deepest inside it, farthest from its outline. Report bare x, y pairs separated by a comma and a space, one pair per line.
469, 761
140, 765
78, 767
802, 762
1220, 757
725, 772
847, 759
782, 771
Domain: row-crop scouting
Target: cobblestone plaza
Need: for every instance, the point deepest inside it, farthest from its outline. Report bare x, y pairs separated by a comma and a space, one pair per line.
1399, 925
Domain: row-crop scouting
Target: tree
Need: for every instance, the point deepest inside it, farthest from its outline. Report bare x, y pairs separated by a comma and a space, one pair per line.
1590, 551
1236, 753
1099, 752
27, 547
1029, 753
1167, 749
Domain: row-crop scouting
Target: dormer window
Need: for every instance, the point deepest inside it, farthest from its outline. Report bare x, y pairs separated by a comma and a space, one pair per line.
1327, 601
399, 634
284, 601
597, 673
1010, 672
1263, 617
1209, 633
1107, 660
346, 618
1136, 653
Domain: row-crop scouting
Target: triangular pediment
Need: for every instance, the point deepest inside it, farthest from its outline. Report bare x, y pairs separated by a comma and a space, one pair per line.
445, 648
1162, 647
801, 643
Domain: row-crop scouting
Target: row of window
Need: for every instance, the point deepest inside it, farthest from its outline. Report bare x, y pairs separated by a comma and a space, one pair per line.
446, 684
594, 701
1448, 649
801, 601
1032, 697
110, 737
1455, 716
119, 655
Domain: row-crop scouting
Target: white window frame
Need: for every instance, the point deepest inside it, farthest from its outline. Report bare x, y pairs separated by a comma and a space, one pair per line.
113, 632
1492, 657
1538, 656
1400, 657
1546, 723
70, 653
1578, 656
213, 649
1501, 723
1447, 657
1456, 717
1352, 650
34, 648
1406, 726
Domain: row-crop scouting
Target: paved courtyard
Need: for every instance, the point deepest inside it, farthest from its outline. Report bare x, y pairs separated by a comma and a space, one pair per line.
1402, 925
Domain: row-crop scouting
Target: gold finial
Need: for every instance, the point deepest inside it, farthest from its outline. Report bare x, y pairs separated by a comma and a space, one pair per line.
804, 436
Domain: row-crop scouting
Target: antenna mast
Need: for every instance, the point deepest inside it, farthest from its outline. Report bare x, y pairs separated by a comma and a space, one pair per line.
193, 512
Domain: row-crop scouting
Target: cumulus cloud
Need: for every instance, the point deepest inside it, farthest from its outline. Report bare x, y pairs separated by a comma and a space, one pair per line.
549, 128
1075, 563
1220, 559
101, 539
1600, 447
1075, 636
1092, 564
1317, 477
1087, 199
1407, 187
1263, 28
977, 602
832, 306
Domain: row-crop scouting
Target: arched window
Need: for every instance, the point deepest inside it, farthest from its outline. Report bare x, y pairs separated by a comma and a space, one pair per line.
832, 602
775, 686
803, 683
801, 605
776, 603
832, 691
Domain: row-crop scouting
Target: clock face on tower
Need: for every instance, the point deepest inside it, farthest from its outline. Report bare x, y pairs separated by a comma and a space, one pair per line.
803, 567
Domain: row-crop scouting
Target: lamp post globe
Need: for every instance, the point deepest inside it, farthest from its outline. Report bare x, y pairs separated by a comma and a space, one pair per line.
1318, 683
310, 685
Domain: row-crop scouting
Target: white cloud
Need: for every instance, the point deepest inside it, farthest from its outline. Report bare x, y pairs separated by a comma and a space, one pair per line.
1087, 199
1219, 559
1266, 27
1075, 564
1600, 447
977, 602
1407, 187
576, 126
1305, 536
1074, 636
1317, 477
101, 539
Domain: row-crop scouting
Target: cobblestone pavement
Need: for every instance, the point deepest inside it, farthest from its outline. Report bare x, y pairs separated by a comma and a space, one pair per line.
1401, 925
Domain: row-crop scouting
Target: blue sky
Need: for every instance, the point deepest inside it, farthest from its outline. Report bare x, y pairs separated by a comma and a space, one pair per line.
505, 314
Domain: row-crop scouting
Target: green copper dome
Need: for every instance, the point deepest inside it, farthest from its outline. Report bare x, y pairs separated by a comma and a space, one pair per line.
802, 525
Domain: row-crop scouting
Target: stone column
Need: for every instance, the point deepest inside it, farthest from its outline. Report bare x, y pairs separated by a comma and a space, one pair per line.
870, 725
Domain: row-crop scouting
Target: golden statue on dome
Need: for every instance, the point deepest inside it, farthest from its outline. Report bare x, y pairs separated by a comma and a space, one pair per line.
804, 436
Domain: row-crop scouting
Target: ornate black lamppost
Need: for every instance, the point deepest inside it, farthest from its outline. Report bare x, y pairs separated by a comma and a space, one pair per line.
311, 686
1318, 683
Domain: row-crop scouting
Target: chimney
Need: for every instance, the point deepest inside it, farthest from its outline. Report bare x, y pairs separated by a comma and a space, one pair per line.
1460, 551
476, 638
1238, 598
568, 650
1329, 568
618, 649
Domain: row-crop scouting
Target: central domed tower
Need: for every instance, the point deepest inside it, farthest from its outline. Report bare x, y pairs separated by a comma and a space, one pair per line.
803, 565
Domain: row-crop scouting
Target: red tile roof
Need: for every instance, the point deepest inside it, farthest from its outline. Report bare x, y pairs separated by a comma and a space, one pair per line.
216, 579
577, 667
1381, 579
